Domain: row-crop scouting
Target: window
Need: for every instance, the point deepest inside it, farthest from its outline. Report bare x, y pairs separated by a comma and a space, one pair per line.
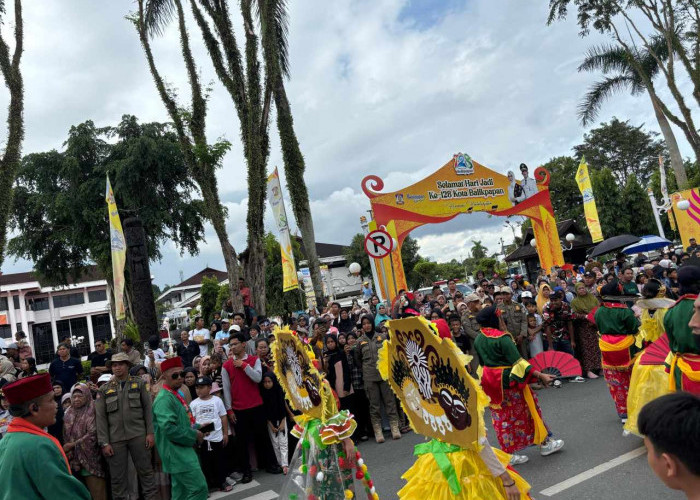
101, 327
75, 328
15, 301
97, 295
5, 332
38, 304
70, 299
3, 304
44, 350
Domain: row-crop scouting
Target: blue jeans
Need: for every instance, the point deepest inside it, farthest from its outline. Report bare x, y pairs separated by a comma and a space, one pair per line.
563, 345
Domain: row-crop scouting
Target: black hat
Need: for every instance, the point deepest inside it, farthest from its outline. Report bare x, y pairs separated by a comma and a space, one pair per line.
689, 276
523, 166
589, 274
203, 381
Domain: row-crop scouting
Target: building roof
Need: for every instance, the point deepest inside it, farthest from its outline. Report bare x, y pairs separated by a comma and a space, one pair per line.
527, 251
196, 279
91, 273
324, 250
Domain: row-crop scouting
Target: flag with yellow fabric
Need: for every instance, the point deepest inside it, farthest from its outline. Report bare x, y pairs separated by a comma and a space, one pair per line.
118, 244
290, 281
583, 179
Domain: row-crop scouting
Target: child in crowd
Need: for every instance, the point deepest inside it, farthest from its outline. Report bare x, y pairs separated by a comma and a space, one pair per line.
65, 402
27, 367
671, 429
209, 409
215, 363
276, 412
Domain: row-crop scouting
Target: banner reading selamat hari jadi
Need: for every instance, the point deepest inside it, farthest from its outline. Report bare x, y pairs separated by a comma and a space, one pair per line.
583, 179
118, 244
274, 194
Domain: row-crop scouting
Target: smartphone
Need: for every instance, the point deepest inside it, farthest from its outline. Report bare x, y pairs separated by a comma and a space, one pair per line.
207, 428
452, 305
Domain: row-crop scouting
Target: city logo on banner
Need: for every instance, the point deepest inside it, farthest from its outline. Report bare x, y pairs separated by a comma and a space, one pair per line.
463, 164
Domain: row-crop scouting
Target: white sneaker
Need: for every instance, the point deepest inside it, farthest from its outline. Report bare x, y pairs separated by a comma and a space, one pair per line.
552, 446
230, 481
623, 420
518, 459
236, 476
578, 379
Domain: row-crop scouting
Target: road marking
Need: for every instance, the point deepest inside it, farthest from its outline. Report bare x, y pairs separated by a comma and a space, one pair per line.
599, 469
236, 489
265, 495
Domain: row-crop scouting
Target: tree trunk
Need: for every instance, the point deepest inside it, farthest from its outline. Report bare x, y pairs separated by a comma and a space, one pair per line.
143, 303
9, 164
672, 145
294, 167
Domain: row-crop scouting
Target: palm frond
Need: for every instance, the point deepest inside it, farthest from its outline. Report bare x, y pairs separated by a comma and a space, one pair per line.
274, 23
158, 14
606, 58
593, 100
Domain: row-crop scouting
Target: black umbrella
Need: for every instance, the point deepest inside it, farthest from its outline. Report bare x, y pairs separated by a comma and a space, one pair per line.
614, 243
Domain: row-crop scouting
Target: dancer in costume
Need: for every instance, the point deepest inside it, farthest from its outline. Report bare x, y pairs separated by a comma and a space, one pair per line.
617, 327
443, 402
649, 378
32, 462
683, 361
176, 435
515, 411
325, 465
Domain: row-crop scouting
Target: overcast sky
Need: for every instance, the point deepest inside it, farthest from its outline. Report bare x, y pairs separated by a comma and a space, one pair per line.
392, 88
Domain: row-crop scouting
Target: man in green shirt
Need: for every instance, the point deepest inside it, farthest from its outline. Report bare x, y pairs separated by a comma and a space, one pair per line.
33, 464
176, 436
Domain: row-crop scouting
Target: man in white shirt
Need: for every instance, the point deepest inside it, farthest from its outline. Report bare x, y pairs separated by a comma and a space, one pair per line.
528, 184
200, 335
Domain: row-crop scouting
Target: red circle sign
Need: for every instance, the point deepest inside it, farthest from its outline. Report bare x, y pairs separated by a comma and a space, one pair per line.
378, 244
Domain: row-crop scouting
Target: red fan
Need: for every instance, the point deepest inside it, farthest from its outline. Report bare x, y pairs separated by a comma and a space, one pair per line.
656, 352
556, 363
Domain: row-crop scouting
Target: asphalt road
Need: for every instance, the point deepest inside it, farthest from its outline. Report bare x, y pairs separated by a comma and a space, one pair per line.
582, 415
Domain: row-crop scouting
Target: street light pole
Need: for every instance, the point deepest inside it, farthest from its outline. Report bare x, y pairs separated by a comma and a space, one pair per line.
665, 205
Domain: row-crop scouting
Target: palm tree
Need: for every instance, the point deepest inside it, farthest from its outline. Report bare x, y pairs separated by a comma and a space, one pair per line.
626, 76
273, 21
9, 161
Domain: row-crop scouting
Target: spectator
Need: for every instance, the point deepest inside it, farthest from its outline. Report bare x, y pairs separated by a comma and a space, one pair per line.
74, 352
186, 349
254, 335
80, 442
543, 294
5, 415
65, 368
127, 346
586, 334
361, 402
515, 318
534, 328
201, 336
458, 336
154, 355
276, 415
223, 334
366, 291
239, 320
190, 379
472, 328
692, 247
216, 369
339, 373
208, 409
65, 402
244, 406
27, 367
262, 351
671, 429
25, 350
557, 324
346, 323
8, 372
381, 314
12, 353
56, 429
98, 360
378, 391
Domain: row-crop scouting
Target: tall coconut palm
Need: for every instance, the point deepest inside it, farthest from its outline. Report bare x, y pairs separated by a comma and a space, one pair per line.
625, 76
274, 29
10, 158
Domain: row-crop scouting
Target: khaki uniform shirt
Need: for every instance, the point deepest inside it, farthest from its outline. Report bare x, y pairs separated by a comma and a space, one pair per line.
123, 413
515, 317
366, 356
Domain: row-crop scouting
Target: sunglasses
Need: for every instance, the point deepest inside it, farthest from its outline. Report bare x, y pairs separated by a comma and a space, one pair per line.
177, 375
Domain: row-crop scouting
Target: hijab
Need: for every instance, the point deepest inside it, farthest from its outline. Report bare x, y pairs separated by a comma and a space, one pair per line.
541, 300
7, 369
79, 427
273, 399
334, 356
381, 317
583, 304
347, 324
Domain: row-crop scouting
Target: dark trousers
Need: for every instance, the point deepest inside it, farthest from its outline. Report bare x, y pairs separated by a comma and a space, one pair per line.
361, 413
214, 463
251, 426
562, 345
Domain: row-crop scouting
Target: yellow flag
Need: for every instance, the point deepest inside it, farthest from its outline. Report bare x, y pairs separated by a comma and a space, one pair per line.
584, 185
290, 281
118, 244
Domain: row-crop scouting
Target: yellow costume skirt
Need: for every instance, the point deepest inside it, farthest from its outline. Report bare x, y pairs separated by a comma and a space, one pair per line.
648, 383
425, 480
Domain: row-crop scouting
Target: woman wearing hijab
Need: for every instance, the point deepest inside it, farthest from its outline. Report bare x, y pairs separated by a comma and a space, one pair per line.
617, 327
80, 441
189, 375
381, 314
543, 294
339, 373
345, 324
276, 414
516, 415
587, 348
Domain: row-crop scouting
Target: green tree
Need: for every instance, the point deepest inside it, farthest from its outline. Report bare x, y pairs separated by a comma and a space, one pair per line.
279, 302
222, 298
478, 250
450, 270
12, 149
410, 256
201, 157
563, 189
638, 207
207, 301
60, 215
622, 148
427, 271
355, 252
629, 71
614, 218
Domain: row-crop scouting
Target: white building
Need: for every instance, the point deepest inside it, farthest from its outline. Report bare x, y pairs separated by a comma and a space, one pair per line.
48, 314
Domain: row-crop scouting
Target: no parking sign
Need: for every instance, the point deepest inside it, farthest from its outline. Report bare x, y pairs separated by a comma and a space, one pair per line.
378, 244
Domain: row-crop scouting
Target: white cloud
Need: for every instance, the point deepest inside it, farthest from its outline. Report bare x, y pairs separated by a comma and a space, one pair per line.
374, 90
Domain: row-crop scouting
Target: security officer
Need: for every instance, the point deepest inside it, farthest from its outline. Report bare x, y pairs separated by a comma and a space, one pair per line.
515, 317
471, 328
125, 428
